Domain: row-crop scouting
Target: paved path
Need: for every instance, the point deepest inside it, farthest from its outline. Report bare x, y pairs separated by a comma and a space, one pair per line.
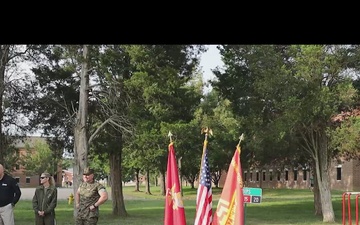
63, 193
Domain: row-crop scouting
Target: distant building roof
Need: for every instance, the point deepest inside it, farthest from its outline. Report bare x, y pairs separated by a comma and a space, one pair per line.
345, 115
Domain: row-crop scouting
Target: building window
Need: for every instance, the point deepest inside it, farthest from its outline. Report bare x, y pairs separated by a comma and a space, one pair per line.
251, 177
286, 175
245, 175
17, 166
27, 180
270, 176
278, 175
264, 175
305, 175
17, 179
295, 175
338, 173
257, 176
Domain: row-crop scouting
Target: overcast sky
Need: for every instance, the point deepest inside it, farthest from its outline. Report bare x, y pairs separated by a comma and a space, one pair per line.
210, 60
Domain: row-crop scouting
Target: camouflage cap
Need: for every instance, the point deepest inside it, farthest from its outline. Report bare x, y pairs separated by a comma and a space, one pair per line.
46, 174
88, 171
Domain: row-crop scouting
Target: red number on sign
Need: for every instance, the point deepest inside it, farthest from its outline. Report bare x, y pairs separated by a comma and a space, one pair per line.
247, 198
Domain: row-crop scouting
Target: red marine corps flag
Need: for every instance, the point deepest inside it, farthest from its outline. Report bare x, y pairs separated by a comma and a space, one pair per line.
174, 207
230, 208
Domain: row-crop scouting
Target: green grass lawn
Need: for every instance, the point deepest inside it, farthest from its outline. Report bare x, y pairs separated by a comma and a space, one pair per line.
278, 206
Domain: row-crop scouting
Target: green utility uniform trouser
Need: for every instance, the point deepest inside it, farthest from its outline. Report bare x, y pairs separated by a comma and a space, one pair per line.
87, 221
48, 219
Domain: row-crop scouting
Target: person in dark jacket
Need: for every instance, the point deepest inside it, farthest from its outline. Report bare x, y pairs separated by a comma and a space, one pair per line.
9, 195
45, 200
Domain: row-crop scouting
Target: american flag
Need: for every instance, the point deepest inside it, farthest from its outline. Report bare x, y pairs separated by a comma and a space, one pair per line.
204, 193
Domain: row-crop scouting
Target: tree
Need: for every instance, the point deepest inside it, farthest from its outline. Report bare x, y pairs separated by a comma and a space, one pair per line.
14, 95
188, 143
112, 115
345, 137
161, 80
226, 130
63, 74
39, 158
66, 163
287, 95
81, 145
66, 103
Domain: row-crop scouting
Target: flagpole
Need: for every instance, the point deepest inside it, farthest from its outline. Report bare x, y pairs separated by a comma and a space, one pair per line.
241, 138
179, 164
203, 214
231, 207
174, 206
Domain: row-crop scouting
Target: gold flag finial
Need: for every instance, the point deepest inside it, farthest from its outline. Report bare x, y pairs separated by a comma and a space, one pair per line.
170, 136
241, 138
207, 131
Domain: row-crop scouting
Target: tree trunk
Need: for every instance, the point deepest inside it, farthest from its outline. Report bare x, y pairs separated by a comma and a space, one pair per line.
322, 165
108, 181
315, 188
162, 183
216, 178
81, 146
147, 191
317, 200
216, 183
118, 203
137, 182
180, 176
4, 55
156, 180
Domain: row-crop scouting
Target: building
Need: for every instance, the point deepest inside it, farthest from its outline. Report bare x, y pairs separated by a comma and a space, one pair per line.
67, 177
19, 171
343, 176
343, 173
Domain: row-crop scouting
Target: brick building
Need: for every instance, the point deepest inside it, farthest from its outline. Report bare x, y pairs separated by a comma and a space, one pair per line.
18, 173
343, 176
67, 178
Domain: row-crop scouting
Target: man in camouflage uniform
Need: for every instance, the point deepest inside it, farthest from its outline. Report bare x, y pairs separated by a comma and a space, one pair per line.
89, 196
